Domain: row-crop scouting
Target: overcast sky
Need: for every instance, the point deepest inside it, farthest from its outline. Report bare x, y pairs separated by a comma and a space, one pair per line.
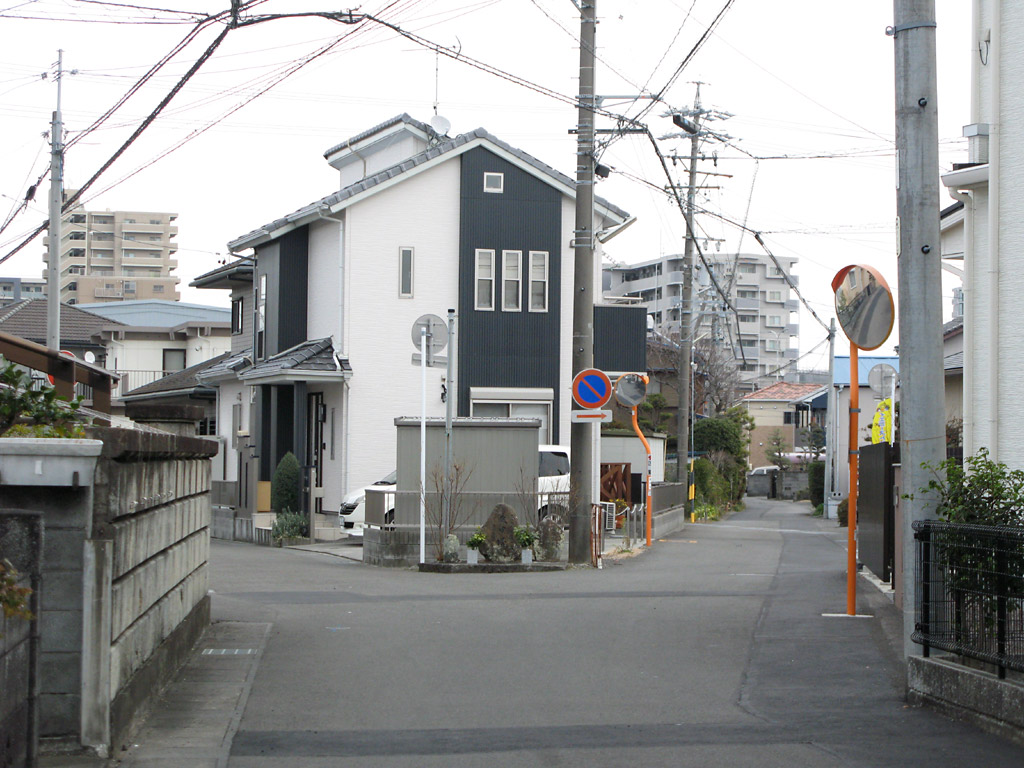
801, 79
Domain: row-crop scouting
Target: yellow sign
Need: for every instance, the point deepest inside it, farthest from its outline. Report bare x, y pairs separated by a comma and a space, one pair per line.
881, 425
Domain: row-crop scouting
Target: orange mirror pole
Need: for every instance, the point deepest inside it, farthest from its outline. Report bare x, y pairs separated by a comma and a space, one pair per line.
647, 485
851, 511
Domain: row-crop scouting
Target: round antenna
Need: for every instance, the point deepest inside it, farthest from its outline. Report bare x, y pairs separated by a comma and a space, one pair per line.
440, 124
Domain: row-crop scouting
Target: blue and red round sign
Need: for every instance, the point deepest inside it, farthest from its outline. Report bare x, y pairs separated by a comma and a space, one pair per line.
591, 388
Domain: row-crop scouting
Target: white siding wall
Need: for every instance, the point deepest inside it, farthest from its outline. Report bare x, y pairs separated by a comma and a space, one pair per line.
135, 354
565, 372
421, 212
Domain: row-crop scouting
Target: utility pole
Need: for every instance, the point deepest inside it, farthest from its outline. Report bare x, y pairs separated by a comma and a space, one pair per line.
922, 431
581, 475
56, 202
830, 416
686, 329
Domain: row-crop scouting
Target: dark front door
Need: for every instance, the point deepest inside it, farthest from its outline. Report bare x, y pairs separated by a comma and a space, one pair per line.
315, 417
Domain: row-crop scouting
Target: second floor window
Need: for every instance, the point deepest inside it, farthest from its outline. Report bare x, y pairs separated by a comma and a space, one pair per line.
236, 315
405, 263
484, 279
538, 281
512, 280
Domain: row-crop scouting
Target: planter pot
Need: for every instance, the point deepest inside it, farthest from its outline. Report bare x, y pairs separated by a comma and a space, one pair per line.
527, 556
48, 461
472, 556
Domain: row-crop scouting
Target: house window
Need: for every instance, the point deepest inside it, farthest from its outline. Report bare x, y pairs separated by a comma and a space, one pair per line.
129, 221
129, 237
174, 360
405, 259
787, 417
158, 289
484, 279
512, 281
772, 345
155, 222
499, 402
494, 182
261, 317
538, 281
774, 295
746, 294
747, 269
129, 286
236, 315
775, 320
748, 318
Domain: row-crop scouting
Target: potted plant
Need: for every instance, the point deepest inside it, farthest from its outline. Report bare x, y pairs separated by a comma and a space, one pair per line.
41, 441
473, 547
525, 537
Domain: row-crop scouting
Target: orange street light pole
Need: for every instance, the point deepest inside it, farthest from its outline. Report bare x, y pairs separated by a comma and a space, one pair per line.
851, 513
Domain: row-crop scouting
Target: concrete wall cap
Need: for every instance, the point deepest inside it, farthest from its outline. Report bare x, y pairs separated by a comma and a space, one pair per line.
49, 446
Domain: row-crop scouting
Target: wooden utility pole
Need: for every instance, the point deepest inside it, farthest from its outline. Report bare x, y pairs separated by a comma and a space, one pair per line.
581, 475
922, 428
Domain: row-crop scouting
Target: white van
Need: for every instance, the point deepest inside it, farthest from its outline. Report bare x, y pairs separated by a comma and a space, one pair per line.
552, 491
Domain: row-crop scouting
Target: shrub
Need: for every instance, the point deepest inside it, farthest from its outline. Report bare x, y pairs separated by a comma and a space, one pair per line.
286, 484
47, 414
843, 511
476, 539
290, 525
816, 482
980, 491
710, 486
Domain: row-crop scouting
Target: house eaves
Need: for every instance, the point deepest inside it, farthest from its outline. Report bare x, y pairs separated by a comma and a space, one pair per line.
198, 392
230, 275
412, 166
965, 178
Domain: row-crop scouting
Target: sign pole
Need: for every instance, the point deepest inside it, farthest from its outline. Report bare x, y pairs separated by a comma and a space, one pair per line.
424, 333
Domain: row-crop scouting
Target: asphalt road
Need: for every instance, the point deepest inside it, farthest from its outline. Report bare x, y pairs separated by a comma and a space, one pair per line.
708, 650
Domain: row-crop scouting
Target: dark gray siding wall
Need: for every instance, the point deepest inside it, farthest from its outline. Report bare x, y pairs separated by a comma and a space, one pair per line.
496, 348
620, 338
286, 264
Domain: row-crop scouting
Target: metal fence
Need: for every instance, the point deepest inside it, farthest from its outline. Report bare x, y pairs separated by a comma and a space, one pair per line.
971, 591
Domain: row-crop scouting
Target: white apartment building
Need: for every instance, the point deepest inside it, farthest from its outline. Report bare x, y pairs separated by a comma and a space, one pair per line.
117, 256
764, 330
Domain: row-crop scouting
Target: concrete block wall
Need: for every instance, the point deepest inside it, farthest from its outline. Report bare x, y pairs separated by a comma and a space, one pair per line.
151, 530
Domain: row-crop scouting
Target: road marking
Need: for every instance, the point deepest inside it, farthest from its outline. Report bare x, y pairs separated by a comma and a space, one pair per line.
847, 616
228, 651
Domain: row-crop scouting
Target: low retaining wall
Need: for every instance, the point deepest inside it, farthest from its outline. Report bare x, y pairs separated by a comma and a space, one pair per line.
968, 694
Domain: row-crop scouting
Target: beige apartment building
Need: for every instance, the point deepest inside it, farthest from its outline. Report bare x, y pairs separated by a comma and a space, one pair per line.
117, 256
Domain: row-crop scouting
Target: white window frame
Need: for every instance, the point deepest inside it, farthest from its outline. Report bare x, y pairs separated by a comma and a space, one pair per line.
510, 259
772, 345
774, 295
491, 176
402, 252
489, 252
546, 280
774, 321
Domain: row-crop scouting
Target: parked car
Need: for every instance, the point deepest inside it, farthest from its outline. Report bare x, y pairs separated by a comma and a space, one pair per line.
552, 491
765, 469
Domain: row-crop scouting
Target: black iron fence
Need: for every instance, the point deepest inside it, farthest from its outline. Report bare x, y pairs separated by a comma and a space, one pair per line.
971, 591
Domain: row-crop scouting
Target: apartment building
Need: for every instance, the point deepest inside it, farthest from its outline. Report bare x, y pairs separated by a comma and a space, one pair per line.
117, 256
762, 333
14, 289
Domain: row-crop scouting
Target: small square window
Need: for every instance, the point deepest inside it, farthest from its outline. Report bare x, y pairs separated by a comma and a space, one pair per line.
494, 182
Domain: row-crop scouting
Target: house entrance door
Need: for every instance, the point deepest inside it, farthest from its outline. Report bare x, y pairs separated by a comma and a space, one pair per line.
316, 415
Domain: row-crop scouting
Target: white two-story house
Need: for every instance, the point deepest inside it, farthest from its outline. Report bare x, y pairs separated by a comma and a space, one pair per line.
422, 223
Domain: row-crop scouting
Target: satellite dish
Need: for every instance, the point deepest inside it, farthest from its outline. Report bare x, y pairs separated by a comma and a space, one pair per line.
440, 124
90, 356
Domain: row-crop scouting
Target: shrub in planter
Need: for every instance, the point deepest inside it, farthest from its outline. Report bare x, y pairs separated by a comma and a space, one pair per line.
476, 540
290, 525
525, 535
285, 485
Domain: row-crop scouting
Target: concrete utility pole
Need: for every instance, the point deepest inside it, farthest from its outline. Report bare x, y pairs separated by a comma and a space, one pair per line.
56, 202
922, 431
581, 475
686, 327
830, 417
